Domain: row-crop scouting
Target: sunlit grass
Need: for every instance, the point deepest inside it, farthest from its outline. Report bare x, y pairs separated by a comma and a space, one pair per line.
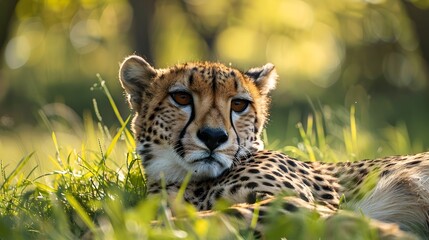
90, 184
334, 136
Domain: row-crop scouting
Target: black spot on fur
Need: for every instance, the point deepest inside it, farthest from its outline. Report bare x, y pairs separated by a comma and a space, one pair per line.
305, 165
268, 184
306, 182
199, 191
389, 165
251, 197
316, 187
303, 197
234, 188
244, 178
291, 163
363, 171
269, 177
191, 79
385, 173
318, 178
288, 185
289, 207
251, 185
253, 170
327, 196
413, 163
327, 188
235, 176
283, 168
255, 130
359, 165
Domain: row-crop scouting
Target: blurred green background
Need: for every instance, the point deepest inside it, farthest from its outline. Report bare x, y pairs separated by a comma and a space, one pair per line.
330, 55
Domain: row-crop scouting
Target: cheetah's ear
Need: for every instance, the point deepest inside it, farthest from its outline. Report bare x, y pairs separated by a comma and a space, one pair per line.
265, 77
135, 75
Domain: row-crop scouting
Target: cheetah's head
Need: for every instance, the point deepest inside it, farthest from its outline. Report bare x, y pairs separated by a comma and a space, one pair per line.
195, 117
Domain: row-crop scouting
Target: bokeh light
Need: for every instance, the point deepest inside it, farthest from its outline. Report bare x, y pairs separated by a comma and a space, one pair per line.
333, 52
17, 52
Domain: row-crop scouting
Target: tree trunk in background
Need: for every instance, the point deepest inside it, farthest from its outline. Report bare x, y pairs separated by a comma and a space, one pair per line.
7, 11
420, 19
143, 11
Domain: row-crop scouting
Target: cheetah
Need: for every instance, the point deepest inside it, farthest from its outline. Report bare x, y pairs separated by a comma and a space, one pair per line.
205, 119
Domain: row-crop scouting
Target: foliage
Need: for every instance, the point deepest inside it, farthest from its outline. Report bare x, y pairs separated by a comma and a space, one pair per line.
363, 53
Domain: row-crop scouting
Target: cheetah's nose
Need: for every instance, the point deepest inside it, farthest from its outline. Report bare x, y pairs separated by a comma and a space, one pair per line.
212, 137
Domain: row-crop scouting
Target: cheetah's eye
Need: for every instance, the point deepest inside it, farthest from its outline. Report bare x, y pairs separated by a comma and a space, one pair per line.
239, 105
181, 98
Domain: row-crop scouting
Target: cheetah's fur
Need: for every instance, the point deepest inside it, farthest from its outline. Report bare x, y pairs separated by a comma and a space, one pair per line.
206, 119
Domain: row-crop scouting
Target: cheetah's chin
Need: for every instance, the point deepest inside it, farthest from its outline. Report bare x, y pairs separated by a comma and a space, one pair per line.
208, 160
208, 167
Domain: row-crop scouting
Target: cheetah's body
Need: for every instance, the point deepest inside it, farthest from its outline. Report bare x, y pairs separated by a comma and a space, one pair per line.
206, 119
263, 175
401, 196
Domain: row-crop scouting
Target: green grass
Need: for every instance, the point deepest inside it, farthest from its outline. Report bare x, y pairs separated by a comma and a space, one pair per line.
90, 183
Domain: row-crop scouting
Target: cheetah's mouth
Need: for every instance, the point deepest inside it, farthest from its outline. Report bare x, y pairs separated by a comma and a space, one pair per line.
208, 160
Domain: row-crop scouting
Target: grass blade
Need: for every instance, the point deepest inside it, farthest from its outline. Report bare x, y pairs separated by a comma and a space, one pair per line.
81, 212
353, 130
116, 138
129, 136
17, 169
307, 143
